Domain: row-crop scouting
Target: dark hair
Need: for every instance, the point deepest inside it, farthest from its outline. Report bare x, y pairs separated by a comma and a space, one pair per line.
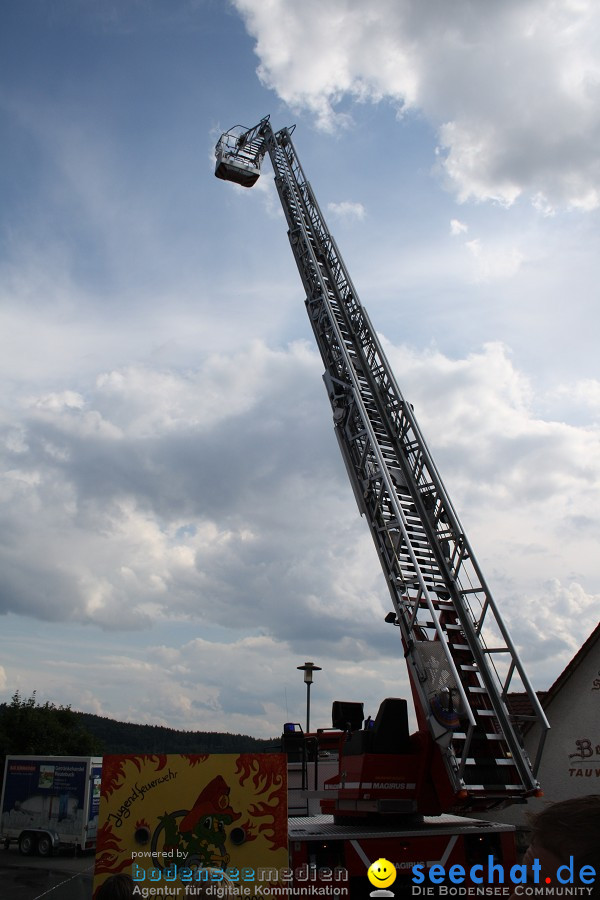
570, 828
117, 887
591, 858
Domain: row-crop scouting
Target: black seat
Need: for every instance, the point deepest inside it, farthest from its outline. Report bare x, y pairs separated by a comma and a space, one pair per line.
390, 732
346, 715
387, 734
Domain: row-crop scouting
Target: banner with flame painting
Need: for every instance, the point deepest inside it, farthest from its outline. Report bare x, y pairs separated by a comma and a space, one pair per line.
166, 819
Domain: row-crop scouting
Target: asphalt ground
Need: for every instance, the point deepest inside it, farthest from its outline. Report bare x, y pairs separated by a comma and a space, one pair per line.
60, 877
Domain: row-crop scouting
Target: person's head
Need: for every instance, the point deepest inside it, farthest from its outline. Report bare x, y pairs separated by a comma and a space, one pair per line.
569, 828
565, 829
117, 887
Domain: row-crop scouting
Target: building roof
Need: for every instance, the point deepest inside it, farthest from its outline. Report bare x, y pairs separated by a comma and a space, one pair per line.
572, 666
518, 702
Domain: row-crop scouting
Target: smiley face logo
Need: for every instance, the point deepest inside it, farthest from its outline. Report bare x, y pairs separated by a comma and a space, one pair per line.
381, 873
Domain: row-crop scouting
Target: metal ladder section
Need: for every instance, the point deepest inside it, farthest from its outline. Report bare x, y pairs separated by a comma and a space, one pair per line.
462, 660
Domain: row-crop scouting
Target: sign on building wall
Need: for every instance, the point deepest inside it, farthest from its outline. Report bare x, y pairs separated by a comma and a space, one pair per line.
584, 747
171, 821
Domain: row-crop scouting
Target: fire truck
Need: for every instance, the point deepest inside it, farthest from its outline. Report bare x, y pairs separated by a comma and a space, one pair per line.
404, 797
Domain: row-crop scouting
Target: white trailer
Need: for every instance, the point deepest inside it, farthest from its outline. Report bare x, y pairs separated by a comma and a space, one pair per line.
50, 803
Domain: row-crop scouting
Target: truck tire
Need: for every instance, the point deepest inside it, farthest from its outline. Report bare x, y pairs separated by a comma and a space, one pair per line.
44, 845
26, 843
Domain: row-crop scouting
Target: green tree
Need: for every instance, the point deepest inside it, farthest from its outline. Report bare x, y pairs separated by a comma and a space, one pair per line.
30, 728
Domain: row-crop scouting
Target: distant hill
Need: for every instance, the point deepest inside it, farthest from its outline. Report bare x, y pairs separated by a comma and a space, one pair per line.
125, 737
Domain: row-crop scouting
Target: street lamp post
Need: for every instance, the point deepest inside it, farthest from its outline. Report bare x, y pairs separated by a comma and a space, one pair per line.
308, 668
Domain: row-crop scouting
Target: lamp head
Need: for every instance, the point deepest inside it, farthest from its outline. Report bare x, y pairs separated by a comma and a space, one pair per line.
308, 668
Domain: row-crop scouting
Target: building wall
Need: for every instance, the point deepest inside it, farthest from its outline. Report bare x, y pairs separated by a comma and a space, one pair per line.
571, 760
571, 764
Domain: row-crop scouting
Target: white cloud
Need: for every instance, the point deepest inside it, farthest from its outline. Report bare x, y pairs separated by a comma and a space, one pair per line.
492, 263
55, 401
583, 396
511, 87
457, 227
217, 498
347, 210
527, 490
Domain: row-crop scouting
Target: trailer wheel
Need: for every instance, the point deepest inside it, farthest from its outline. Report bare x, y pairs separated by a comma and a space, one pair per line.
44, 845
26, 844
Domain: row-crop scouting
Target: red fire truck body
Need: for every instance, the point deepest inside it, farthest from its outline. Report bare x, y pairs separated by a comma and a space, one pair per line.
323, 853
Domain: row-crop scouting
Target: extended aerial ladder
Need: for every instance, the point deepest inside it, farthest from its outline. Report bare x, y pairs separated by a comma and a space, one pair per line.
461, 659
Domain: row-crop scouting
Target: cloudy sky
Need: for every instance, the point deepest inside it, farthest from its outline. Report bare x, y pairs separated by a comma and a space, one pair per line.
177, 532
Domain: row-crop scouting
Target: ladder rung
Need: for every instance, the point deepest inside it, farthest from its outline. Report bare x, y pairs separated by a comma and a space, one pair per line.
473, 761
502, 788
523, 717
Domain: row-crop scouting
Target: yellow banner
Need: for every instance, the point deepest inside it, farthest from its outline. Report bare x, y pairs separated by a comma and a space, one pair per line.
190, 825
